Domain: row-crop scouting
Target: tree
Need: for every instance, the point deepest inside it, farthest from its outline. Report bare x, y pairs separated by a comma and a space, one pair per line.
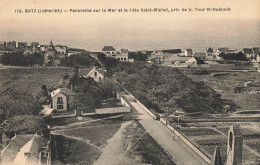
108, 87
24, 124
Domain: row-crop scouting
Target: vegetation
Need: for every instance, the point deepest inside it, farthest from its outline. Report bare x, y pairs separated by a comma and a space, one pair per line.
22, 92
79, 60
138, 56
165, 89
18, 59
234, 56
24, 124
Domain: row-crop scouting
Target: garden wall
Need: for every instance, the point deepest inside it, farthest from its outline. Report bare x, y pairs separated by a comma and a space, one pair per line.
112, 110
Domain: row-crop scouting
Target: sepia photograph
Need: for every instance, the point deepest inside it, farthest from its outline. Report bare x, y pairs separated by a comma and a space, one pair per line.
130, 82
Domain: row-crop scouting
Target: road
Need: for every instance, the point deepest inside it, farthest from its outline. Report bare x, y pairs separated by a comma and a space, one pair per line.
177, 149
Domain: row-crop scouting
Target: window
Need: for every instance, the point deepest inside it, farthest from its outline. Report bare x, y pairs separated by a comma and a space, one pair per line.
125, 59
99, 78
59, 99
230, 140
95, 74
59, 106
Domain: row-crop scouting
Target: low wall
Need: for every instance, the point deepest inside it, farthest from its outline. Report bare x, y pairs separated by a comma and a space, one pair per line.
188, 143
147, 110
112, 110
183, 138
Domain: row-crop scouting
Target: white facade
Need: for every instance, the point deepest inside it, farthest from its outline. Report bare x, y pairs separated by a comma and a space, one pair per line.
95, 74
59, 102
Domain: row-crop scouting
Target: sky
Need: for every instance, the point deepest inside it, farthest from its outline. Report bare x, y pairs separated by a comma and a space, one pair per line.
94, 30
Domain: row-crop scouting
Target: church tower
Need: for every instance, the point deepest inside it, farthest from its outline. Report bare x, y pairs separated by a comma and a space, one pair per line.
234, 146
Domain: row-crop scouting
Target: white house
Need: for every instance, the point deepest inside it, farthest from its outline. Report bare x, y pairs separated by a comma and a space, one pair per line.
123, 55
180, 61
97, 74
62, 99
109, 51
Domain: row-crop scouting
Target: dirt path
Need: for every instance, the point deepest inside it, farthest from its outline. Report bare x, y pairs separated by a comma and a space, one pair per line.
113, 153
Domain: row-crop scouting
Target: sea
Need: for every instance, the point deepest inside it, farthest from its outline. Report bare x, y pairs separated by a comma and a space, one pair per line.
143, 33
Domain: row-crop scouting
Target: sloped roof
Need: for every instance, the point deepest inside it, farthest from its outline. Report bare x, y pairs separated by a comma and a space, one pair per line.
223, 49
173, 51
199, 54
248, 51
85, 71
65, 91
88, 71
108, 48
209, 49
124, 50
14, 153
216, 158
256, 50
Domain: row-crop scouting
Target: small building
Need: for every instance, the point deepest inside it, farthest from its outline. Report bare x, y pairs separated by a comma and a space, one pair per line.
200, 55
22, 44
2, 45
11, 45
97, 74
222, 50
180, 61
29, 50
29, 149
109, 51
249, 53
62, 99
256, 51
61, 49
123, 55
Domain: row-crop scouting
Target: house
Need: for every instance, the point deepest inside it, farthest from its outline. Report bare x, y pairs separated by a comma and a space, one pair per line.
257, 53
200, 55
157, 56
123, 55
52, 56
109, 51
26, 149
61, 49
222, 50
22, 45
62, 99
97, 74
248, 52
180, 61
11, 45
29, 50
2, 45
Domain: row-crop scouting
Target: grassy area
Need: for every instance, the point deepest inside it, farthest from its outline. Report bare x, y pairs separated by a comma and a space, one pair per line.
71, 151
225, 85
139, 143
207, 139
